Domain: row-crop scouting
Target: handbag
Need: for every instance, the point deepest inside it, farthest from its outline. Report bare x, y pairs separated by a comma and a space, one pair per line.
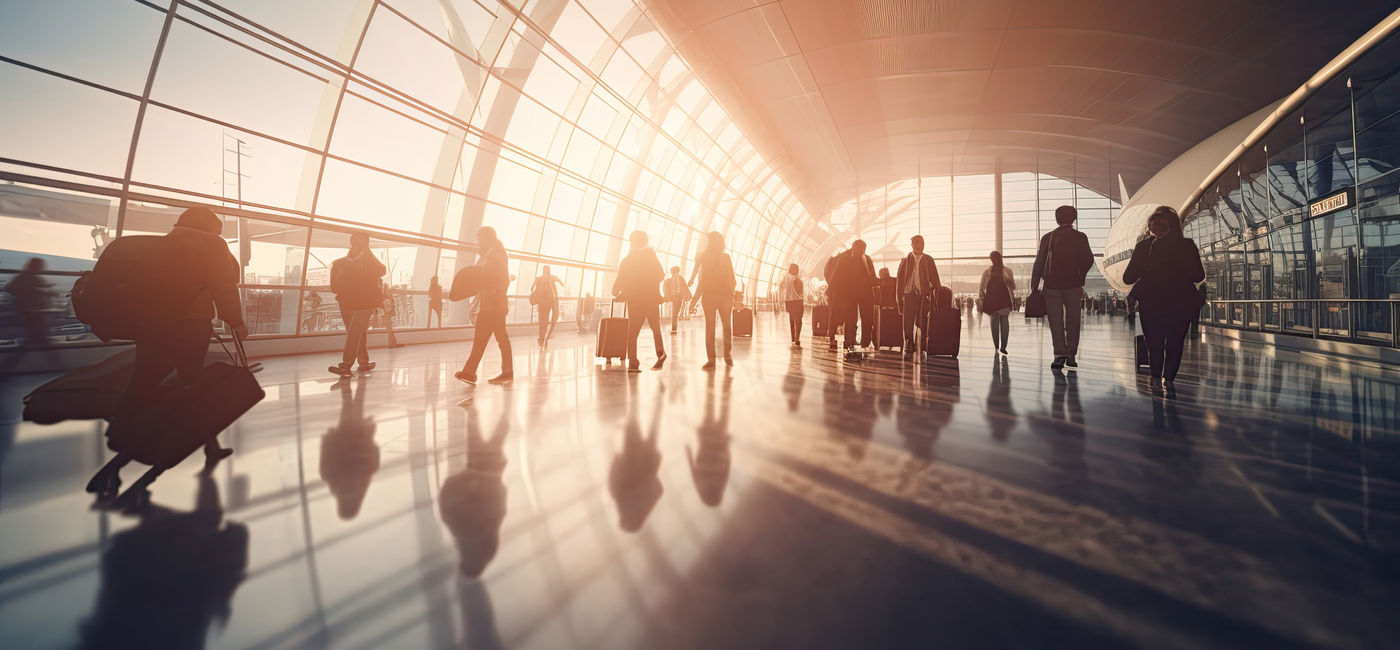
1035, 305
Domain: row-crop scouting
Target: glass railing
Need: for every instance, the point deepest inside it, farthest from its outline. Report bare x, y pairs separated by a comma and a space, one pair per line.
1359, 320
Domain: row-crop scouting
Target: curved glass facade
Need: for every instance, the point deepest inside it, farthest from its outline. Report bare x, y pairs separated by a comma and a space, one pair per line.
1302, 234
564, 124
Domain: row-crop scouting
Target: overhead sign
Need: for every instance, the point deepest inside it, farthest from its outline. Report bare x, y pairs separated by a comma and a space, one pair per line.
1339, 201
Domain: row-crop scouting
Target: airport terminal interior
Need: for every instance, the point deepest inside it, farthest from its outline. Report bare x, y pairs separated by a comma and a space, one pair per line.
794, 492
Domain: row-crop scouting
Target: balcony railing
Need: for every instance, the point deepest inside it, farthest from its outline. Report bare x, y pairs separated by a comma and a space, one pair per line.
1359, 320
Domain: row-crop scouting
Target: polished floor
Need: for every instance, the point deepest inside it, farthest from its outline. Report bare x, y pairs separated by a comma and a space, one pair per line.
793, 501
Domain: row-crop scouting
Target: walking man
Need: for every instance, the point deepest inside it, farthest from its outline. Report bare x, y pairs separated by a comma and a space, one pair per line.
855, 277
492, 309
545, 295
916, 281
677, 292
355, 280
1062, 261
638, 279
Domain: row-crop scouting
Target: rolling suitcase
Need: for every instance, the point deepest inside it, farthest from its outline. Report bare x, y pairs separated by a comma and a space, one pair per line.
890, 333
87, 393
743, 322
821, 321
612, 335
945, 326
185, 417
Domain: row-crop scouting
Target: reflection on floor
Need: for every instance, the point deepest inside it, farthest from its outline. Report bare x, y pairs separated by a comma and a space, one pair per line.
794, 501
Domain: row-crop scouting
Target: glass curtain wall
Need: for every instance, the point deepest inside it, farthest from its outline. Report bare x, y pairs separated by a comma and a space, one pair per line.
563, 124
1268, 231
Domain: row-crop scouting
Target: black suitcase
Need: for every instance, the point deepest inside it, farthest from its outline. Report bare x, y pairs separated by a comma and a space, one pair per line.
87, 393
185, 417
944, 333
821, 321
743, 322
612, 335
890, 334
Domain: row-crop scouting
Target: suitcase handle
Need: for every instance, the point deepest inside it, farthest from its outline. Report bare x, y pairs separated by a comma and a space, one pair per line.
241, 358
612, 307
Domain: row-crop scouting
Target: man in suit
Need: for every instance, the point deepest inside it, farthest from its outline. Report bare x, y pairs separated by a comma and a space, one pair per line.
855, 279
916, 281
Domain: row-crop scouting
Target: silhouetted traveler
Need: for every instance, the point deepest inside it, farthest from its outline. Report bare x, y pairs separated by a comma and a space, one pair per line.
434, 301
833, 292
349, 455
634, 477
995, 294
790, 291
168, 578
638, 280
544, 293
472, 502
32, 294
179, 340
585, 312
1062, 261
917, 279
855, 278
677, 292
716, 294
493, 306
355, 279
710, 462
1164, 270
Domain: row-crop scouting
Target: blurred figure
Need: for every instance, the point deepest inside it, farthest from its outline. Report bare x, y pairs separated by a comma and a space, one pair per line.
585, 313
179, 340
1001, 415
349, 455
995, 295
1164, 270
638, 280
1062, 261
855, 277
917, 279
544, 294
677, 292
32, 295
710, 462
790, 291
166, 580
493, 305
355, 280
434, 301
716, 294
472, 502
633, 479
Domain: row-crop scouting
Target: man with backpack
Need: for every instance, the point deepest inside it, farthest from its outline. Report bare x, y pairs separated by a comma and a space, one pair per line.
638, 281
200, 280
355, 281
1062, 261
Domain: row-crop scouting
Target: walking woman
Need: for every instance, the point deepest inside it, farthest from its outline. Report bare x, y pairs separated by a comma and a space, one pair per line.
1164, 271
715, 293
995, 295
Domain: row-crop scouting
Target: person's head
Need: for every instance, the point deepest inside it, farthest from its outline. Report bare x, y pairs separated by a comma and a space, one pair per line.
433, 280
202, 219
589, 294
359, 241
486, 236
792, 269
858, 247
884, 273
34, 265
1164, 222
675, 270
714, 243
545, 272
1065, 215
996, 258
639, 239
917, 243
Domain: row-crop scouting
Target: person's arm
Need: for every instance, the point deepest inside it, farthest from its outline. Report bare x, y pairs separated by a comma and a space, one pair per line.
1193, 265
982, 286
1087, 256
1010, 279
1039, 266
933, 272
373, 265
223, 289
1133, 273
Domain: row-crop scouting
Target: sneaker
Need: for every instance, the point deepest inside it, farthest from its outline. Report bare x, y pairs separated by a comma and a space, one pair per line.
1071, 362
634, 366
502, 378
217, 455
660, 361
343, 371
797, 344
709, 365
366, 367
1003, 351
853, 355
729, 361
465, 377
1058, 363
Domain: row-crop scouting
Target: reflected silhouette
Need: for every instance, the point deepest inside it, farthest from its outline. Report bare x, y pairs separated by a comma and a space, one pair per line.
925, 410
1000, 413
1063, 426
167, 579
472, 501
349, 456
478, 617
849, 411
634, 478
710, 463
794, 380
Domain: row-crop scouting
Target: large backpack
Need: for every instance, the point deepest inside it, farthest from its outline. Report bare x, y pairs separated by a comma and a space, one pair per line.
136, 283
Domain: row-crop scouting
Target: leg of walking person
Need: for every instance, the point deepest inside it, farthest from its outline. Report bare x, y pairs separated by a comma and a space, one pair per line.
636, 316
1073, 321
1003, 320
188, 347
653, 314
996, 333
867, 323
711, 312
726, 310
497, 328
1175, 346
480, 337
1154, 335
850, 314
1055, 313
675, 314
910, 317
544, 322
